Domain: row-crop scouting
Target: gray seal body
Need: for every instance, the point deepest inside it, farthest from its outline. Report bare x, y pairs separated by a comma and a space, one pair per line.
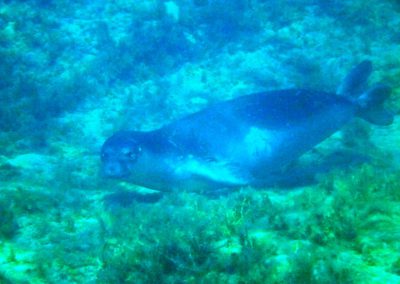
244, 141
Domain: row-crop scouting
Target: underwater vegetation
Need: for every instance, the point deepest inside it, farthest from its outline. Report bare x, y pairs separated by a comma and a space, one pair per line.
336, 232
8, 224
344, 229
71, 74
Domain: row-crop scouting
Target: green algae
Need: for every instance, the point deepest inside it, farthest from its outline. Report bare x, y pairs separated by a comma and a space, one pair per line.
307, 236
8, 223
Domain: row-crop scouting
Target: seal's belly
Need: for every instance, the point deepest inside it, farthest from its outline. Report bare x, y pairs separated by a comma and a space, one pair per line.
257, 146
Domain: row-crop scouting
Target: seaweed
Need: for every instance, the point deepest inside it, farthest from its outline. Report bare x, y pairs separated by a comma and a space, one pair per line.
8, 221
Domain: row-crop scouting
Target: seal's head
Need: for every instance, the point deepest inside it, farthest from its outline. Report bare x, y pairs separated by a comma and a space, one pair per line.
119, 153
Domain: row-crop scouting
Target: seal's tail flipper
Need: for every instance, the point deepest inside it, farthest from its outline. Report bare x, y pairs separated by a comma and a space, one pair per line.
371, 105
370, 102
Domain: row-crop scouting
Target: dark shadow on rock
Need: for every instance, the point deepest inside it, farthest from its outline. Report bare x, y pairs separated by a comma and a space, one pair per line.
305, 171
126, 198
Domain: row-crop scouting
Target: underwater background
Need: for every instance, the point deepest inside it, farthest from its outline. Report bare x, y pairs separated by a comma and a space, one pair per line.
72, 73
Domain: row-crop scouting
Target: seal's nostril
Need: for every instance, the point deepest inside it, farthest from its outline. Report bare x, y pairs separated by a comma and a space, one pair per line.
114, 169
110, 170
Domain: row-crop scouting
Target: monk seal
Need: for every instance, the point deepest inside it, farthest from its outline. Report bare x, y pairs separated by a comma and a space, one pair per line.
248, 140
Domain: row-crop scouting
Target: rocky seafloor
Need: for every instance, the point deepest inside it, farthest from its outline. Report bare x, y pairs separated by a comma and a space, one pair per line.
73, 73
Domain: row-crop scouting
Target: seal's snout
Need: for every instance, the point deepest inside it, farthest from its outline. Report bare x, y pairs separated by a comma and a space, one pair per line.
114, 170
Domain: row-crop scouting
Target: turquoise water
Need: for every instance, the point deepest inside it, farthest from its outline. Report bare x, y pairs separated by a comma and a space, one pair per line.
72, 74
